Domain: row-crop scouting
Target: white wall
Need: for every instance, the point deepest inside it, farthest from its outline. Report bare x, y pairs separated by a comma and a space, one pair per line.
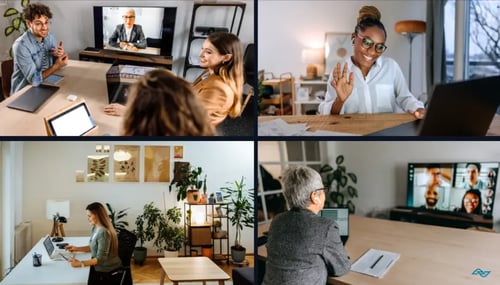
48, 172
286, 27
73, 24
381, 167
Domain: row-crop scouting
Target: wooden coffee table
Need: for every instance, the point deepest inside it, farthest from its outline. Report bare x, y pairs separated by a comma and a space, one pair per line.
191, 269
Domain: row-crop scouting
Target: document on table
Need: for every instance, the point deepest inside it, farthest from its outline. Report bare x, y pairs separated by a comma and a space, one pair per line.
375, 262
279, 127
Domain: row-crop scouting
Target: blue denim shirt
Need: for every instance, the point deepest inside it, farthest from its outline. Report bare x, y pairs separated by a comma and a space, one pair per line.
28, 59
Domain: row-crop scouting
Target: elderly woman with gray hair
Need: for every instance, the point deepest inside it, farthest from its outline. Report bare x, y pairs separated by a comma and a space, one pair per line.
302, 247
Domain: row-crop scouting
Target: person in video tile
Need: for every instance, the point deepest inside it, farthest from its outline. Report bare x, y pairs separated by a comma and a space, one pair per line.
128, 36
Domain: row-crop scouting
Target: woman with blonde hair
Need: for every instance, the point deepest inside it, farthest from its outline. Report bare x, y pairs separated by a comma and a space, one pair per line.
162, 104
103, 247
220, 86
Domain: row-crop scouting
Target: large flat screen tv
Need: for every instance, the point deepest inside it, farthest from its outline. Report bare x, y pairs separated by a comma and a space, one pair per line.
149, 29
467, 187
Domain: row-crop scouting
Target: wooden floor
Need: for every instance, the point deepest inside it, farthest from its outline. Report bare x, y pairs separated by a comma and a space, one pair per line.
151, 270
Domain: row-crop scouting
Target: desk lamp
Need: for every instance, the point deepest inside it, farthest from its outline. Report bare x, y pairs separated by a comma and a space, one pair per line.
410, 29
58, 212
312, 57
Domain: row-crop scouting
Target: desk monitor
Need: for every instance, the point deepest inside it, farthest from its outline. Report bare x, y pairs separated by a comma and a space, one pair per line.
73, 120
341, 216
33, 98
443, 187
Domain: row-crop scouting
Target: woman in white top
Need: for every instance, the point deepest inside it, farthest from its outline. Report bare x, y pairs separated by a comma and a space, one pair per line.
369, 82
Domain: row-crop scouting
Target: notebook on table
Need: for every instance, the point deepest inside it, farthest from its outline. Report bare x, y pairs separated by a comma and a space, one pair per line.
341, 217
33, 98
463, 108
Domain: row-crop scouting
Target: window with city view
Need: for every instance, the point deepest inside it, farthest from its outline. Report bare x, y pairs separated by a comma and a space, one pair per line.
483, 58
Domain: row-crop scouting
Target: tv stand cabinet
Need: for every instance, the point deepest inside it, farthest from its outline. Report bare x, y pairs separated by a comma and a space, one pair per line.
437, 219
109, 56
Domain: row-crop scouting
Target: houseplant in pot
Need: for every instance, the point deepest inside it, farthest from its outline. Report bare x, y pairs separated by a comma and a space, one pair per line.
188, 183
117, 218
146, 228
338, 178
170, 236
240, 213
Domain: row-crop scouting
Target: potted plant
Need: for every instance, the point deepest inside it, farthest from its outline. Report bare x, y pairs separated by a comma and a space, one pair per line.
189, 184
170, 236
147, 225
240, 213
117, 218
18, 23
343, 192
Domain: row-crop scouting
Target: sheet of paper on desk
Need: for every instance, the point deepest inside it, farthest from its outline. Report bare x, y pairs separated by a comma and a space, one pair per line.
375, 262
279, 127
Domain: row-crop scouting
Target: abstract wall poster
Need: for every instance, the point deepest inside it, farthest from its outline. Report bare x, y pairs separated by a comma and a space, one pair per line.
126, 163
157, 164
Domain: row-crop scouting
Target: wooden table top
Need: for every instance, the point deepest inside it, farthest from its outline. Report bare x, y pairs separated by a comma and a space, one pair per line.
189, 269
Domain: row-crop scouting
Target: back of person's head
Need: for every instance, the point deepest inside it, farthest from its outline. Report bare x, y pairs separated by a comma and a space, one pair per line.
35, 10
98, 209
162, 104
369, 16
231, 71
299, 182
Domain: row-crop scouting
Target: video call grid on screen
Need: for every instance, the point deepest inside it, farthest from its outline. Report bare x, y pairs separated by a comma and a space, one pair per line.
453, 185
339, 215
149, 18
74, 122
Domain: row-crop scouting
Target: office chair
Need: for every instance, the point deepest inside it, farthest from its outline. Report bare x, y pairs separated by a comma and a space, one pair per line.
126, 245
7, 70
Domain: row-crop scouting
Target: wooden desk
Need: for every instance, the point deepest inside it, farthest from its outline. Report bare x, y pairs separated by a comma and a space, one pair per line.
360, 124
109, 56
191, 269
85, 79
429, 254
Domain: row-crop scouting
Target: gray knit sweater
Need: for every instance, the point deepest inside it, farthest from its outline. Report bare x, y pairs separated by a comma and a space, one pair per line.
303, 248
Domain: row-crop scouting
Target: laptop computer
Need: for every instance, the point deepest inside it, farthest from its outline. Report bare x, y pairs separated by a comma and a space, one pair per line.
53, 253
463, 108
341, 216
33, 98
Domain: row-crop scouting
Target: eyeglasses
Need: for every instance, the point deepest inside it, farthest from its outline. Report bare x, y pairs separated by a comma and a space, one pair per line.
40, 24
367, 43
128, 17
320, 189
467, 200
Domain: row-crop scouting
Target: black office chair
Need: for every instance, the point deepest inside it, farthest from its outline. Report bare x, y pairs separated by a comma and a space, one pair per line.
126, 245
7, 70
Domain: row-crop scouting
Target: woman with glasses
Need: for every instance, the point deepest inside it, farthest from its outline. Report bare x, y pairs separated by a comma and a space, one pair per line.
37, 54
368, 81
128, 36
471, 202
302, 247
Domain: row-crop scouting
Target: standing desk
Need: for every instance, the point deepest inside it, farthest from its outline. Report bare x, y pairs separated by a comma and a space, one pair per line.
52, 272
429, 254
84, 79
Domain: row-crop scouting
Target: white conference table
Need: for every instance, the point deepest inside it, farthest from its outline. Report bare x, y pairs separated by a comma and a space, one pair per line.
85, 79
51, 272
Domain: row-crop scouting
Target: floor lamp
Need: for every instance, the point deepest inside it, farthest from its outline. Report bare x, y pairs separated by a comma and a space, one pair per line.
410, 29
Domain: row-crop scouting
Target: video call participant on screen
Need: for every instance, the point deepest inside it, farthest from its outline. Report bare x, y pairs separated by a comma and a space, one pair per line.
473, 181
128, 36
162, 104
103, 248
471, 202
433, 186
37, 54
302, 247
220, 86
369, 82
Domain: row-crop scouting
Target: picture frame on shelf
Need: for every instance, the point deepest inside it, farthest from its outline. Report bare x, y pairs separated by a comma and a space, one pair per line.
218, 197
338, 47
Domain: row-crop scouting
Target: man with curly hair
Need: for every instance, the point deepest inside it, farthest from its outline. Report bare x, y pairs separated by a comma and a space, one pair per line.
36, 52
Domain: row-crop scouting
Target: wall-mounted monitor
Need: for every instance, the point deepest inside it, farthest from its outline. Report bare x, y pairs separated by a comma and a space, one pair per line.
467, 187
146, 30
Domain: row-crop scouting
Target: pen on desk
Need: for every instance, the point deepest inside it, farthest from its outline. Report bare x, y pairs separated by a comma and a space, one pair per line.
388, 264
376, 261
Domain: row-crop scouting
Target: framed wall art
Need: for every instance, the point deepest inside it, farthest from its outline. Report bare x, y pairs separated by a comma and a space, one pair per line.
338, 47
178, 151
126, 163
98, 168
157, 164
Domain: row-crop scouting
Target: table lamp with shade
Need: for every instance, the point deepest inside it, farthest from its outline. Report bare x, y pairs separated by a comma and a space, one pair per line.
58, 212
410, 29
312, 57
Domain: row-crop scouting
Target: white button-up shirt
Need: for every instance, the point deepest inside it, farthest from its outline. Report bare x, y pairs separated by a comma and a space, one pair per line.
383, 91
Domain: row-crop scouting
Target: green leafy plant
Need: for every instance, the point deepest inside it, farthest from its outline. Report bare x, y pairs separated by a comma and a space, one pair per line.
343, 190
117, 218
190, 179
147, 223
240, 209
17, 21
170, 236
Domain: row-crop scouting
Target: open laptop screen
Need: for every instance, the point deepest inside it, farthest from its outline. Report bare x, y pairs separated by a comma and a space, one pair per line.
75, 121
341, 216
47, 243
